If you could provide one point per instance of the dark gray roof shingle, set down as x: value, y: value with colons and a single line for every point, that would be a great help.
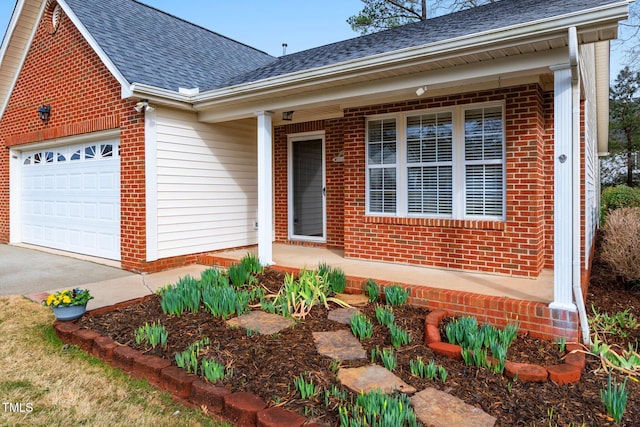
x: 152, y: 47
x: 502, y: 14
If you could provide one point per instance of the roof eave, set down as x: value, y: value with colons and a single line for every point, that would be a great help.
x: 551, y: 27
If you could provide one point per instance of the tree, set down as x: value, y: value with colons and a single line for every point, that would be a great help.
x: 380, y: 15
x: 624, y: 129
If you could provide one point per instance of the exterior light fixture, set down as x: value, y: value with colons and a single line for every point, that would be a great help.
x: 287, y: 116
x: 44, y: 112
x: 421, y: 90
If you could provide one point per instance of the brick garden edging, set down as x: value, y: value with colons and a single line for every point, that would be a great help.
x: 568, y: 372
x: 241, y: 408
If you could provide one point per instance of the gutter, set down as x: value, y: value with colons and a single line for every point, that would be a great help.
x: 575, y: 184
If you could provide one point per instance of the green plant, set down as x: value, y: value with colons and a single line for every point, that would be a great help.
x: 387, y: 356
x: 443, y: 373
x: 378, y: 409
x: 188, y: 359
x: 67, y: 298
x: 384, y: 315
x: 213, y: 277
x: 154, y: 334
x: 212, y: 371
x: 251, y: 264
x: 396, y: 295
x: 614, y: 399
x: 361, y: 326
x: 499, y: 352
x: 296, y: 298
x: 238, y: 275
x: 617, y: 324
x: 306, y: 389
x: 225, y: 301
x: 372, y: 289
x: 184, y: 295
x: 562, y: 344
x: 618, y: 197
x: 399, y: 336
x: 337, y: 280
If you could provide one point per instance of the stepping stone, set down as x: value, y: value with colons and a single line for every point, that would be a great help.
x: 342, y: 315
x: 439, y: 409
x: 340, y: 345
x: 356, y: 300
x: 261, y: 322
x: 367, y: 378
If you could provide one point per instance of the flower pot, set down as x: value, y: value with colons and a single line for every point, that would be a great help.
x: 71, y: 312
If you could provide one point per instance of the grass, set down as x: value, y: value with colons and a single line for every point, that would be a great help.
x: 64, y: 386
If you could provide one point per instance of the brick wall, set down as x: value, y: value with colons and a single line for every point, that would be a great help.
x: 522, y: 245
x: 63, y: 71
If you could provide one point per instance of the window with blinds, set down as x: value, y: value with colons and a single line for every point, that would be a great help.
x: 430, y: 164
x: 381, y: 149
x: 483, y: 158
x: 442, y: 164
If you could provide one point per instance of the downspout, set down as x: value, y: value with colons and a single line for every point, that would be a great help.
x: 575, y: 193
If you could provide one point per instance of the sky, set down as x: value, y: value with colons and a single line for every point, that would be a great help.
x: 267, y: 24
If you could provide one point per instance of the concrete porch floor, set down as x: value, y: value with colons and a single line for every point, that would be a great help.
x: 298, y: 257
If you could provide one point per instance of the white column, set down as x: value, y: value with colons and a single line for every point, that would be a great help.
x: 563, y: 196
x: 265, y: 188
x: 15, y: 196
x: 151, y: 182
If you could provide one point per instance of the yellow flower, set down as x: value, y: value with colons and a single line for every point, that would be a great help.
x: 66, y: 300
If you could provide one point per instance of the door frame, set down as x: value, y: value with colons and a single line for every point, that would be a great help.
x: 292, y: 139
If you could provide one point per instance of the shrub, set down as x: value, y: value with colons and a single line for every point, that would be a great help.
x: 619, y: 197
x: 621, y: 245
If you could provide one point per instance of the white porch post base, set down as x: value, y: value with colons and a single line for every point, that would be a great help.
x: 265, y: 188
x: 562, y: 197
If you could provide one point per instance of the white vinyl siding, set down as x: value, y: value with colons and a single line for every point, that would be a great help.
x: 448, y: 163
x: 206, y: 184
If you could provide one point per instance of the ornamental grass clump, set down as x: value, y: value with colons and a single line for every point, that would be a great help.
x: 614, y: 399
x: 361, y: 326
x: 621, y: 243
x: 396, y: 295
x: 376, y: 408
x: 153, y: 334
x: 68, y: 298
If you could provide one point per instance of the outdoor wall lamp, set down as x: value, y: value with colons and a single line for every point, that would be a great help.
x: 44, y: 112
x: 143, y: 105
x: 287, y: 116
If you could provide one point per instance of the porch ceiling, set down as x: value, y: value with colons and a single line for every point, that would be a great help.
x: 299, y: 257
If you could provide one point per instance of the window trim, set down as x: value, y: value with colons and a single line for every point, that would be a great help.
x: 458, y: 163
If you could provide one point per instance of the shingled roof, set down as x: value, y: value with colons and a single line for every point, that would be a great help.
x: 155, y: 48
x: 151, y: 47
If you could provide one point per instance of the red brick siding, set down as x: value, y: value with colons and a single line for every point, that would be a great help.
x: 63, y: 71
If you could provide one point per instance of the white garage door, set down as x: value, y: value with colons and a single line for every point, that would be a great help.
x: 71, y: 198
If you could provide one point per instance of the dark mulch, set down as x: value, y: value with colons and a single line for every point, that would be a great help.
x: 267, y: 365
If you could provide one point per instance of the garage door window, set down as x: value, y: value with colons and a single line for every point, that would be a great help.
x: 87, y: 153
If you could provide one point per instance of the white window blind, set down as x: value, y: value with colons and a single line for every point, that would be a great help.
x: 381, y: 148
x: 429, y: 164
x: 484, y: 162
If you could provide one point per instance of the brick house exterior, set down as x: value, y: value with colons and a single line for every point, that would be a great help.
x: 204, y: 159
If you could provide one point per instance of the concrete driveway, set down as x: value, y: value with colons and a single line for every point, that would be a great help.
x: 26, y: 271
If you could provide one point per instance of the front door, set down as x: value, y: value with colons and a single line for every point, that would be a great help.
x: 307, y: 188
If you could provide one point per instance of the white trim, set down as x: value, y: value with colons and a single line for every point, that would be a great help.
x: 124, y: 84
x: 291, y: 139
x: 265, y: 187
x: 151, y: 182
x: 15, y: 196
x: 70, y: 140
x: 563, y: 189
x: 458, y: 162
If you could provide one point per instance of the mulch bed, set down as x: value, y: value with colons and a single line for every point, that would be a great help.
x: 267, y: 365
